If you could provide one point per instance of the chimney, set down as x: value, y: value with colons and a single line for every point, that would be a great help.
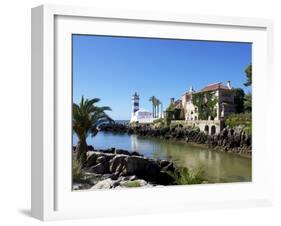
x: 228, y: 84
x: 191, y: 90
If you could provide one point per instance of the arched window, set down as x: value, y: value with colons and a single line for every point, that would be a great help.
x: 206, y: 129
x: 213, y: 130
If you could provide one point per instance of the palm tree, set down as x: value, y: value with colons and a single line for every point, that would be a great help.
x: 161, y: 111
x: 153, y: 101
x: 85, y: 121
x: 157, y: 103
x: 248, y: 72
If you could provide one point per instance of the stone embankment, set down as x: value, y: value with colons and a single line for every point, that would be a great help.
x: 229, y: 140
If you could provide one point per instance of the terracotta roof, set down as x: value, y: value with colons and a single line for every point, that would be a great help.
x: 214, y: 86
x: 178, y: 103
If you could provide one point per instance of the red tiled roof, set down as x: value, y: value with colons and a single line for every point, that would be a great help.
x: 214, y: 86
x: 178, y: 103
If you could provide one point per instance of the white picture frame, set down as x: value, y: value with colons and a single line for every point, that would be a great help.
x: 52, y: 197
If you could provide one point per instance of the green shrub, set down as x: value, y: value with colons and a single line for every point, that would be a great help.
x: 159, y: 122
x: 78, y: 174
x: 184, y: 176
x: 243, y: 120
x: 131, y: 184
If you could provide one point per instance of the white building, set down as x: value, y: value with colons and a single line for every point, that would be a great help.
x: 140, y: 115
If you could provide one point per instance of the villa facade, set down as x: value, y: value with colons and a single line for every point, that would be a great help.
x: 224, y: 106
x: 224, y: 95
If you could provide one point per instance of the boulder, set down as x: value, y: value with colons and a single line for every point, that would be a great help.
x: 164, y: 163
x: 116, y: 164
x: 165, y: 178
x: 91, y: 159
x: 135, y: 165
x: 101, y: 159
x: 104, y: 184
x: 94, y: 157
x: 90, y: 148
x: 122, y: 152
x: 136, y: 153
x: 170, y: 167
x: 100, y: 168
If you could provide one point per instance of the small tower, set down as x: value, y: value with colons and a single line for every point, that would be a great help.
x: 228, y: 84
x: 135, y: 103
x: 191, y: 90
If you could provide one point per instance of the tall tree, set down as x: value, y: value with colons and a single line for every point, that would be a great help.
x: 161, y: 111
x: 248, y: 102
x: 85, y: 121
x: 248, y: 97
x: 248, y: 72
x: 239, y: 95
x: 157, y: 103
x: 153, y: 101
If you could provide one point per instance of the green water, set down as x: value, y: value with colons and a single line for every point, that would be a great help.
x: 218, y: 166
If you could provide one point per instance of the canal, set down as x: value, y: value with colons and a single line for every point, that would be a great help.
x: 218, y: 166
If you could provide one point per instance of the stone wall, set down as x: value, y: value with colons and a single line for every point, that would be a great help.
x: 228, y: 140
x: 207, y: 126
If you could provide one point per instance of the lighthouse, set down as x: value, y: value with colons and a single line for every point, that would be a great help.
x: 139, y: 115
x: 135, y: 106
x: 135, y: 103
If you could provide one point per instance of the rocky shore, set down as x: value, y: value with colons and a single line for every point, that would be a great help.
x: 235, y: 141
x: 115, y: 168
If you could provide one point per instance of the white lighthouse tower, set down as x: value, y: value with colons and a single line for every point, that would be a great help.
x: 135, y: 103
x: 139, y: 115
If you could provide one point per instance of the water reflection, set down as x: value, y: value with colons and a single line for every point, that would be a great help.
x: 218, y: 166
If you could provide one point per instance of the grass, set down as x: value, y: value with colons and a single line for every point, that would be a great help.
x: 77, y: 172
x: 130, y: 184
x: 188, y: 176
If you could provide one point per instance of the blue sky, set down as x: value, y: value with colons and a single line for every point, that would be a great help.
x: 113, y: 68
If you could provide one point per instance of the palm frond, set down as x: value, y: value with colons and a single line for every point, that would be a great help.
x: 86, y: 117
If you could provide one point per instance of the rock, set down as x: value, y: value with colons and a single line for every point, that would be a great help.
x: 122, y: 152
x: 135, y: 165
x: 136, y: 153
x: 97, y: 157
x: 101, y: 159
x: 164, y: 178
x: 116, y: 164
x: 170, y: 167
x: 91, y: 159
x: 90, y: 148
x: 164, y: 163
x: 104, y: 184
x: 135, y: 183
x: 113, y: 176
x: 100, y: 168
x: 134, y: 177
x: 152, y: 169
